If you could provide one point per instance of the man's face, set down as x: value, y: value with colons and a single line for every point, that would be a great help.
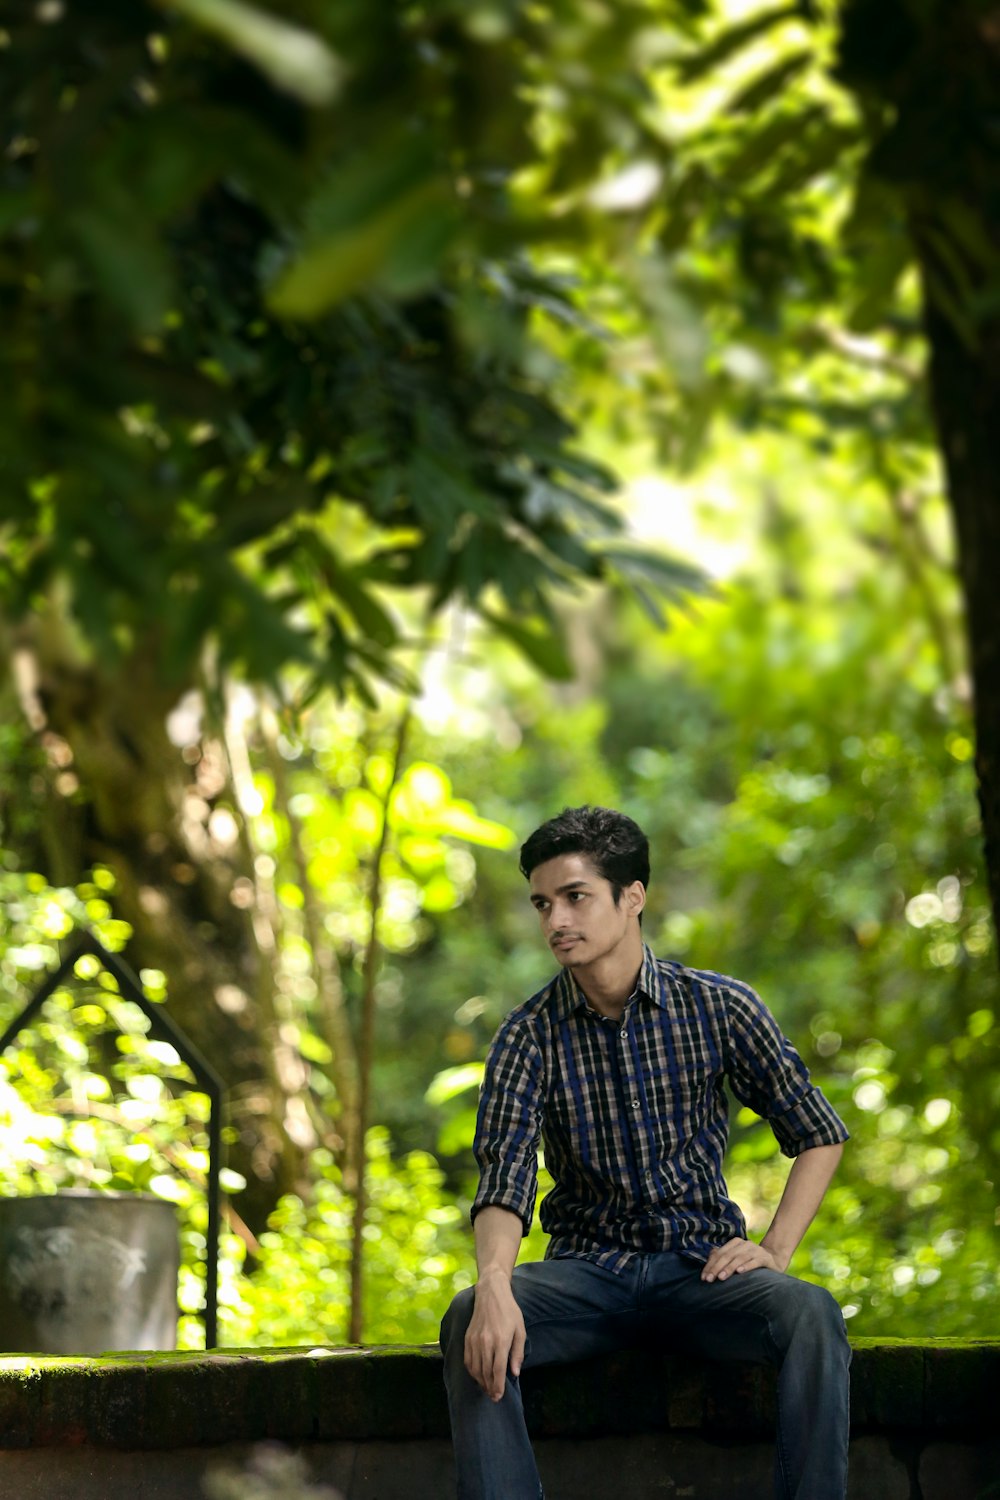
x: 577, y: 911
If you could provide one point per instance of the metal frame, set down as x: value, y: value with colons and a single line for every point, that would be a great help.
x: 205, y: 1075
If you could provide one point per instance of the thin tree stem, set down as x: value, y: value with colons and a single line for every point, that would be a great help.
x: 331, y: 1013
x: 366, y: 1041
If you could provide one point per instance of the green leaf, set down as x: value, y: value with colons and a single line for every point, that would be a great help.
x: 451, y: 1082
x: 669, y: 577
x: 456, y: 1134
x: 346, y: 583
x: 344, y: 263
x: 544, y: 647
x: 676, y: 323
x: 562, y: 544
x: 442, y: 489
x: 769, y: 84
x: 698, y: 64
x: 548, y: 501
x: 294, y: 59
x: 684, y: 199
x: 760, y: 147
x: 823, y: 148
x: 460, y: 821
x: 129, y: 266
x: 245, y: 517
x: 16, y: 208
x: 383, y: 218
x: 878, y: 274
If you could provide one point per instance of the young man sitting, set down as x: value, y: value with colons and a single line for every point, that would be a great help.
x: 618, y: 1065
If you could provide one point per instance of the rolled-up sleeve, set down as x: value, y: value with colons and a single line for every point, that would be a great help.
x: 767, y: 1073
x: 508, y: 1126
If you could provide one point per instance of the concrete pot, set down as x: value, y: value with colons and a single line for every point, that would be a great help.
x: 85, y: 1272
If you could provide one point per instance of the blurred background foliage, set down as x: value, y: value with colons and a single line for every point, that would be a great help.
x: 377, y: 392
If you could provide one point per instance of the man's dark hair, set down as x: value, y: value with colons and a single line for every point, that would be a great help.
x: 618, y: 847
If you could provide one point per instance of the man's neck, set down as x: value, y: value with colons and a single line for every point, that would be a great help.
x: 610, y: 983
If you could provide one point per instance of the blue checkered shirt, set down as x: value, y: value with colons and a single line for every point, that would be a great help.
x: 633, y: 1113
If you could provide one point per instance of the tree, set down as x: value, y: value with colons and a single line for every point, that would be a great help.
x: 928, y: 78
x: 292, y: 376
x: 802, y: 231
x: 908, y: 278
x: 807, y: 783
x: 255, y: 408
x: 808, y: 787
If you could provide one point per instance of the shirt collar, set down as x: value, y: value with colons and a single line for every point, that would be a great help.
x: 569, y: 997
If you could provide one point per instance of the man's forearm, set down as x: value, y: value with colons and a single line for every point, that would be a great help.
x: 498, y: 1234
x: 495, y: 1338
x: 807, y: 1183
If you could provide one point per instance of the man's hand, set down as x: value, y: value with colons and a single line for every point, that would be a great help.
x: 495, y: 1335
x: 807, y: 1182
x: 737, y: 1256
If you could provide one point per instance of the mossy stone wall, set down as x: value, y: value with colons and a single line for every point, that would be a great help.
x: 374, y: 1422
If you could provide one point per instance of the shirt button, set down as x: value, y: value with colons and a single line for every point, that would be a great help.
x: 635, y: 1104
x: 623, y: 1033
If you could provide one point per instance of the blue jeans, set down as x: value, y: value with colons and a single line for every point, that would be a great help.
x: 573, y: 1309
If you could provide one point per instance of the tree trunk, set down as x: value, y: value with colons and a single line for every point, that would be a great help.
x: 965, y: 385
x: 928, y: 78
x: 118, y: 792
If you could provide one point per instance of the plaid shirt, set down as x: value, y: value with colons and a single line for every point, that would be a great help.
x: 633, y: 1114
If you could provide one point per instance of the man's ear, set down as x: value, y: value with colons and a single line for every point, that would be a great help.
x: 635, y: 896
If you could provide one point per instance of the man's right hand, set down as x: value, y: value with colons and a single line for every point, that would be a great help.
x: 495, y: 1336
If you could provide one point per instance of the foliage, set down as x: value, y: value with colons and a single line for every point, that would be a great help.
x: 333, y: 781
x: 168, y: 220
x: 277, y: 401
x: 418, y: 1253
x: 850, y: 880
x: 301, y: 359
x: 805, y: 777
x: 312, y: 809
x: 87, y: 1098
x: 804, y: 774
x: 65, y: 1125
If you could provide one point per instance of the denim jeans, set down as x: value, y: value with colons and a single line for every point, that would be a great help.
x: 573, y: 1309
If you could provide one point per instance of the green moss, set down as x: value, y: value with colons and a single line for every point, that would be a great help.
x: 928, y: 1343
x: 191, y: 1398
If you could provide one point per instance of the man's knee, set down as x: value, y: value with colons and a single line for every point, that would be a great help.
x: 824, y: 1309
x: 456, y: 1320
x: 806, y: 1304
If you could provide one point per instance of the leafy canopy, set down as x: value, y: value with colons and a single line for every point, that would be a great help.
x: 271, y: 364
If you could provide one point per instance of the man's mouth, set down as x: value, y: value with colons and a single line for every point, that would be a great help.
x: 564, y: 941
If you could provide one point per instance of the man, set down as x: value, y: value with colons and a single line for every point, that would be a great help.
x: 618, y: 1064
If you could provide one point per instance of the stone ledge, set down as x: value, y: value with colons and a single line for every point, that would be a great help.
x: 935, y: 1388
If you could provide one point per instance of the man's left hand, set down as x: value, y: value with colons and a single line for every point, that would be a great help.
x: 737, y: 1256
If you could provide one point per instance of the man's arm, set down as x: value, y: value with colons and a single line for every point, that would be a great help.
x: 807, y: 1183
x: 496, y: 1333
